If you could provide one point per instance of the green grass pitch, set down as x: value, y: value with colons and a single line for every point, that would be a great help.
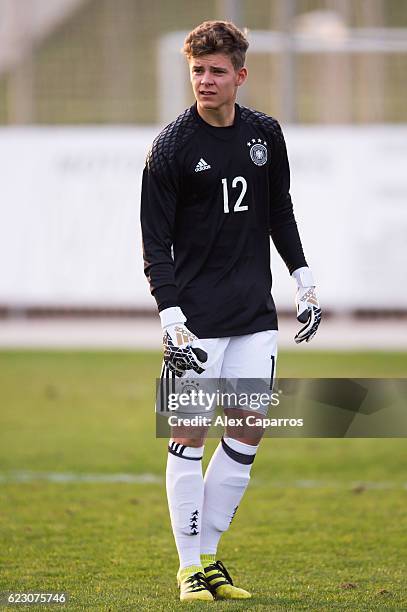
x: 305, y: 537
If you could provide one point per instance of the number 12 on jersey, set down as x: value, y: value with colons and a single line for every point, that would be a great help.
x: 237, y: 207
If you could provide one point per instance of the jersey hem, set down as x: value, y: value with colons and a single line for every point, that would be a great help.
x: 203, y: 333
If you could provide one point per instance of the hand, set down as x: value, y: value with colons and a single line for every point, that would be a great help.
x: 308, y: 310
x: 181, y: 347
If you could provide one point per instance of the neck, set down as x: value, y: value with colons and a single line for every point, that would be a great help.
x: 219, y: 117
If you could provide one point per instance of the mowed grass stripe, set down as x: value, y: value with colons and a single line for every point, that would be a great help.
x: 67, y: 477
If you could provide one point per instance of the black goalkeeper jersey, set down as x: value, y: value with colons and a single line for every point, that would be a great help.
x: 211, y: 198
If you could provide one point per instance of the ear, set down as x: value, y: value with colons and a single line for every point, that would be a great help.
x: 241, y: 76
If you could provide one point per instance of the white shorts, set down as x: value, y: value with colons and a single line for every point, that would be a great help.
x: 249, y: 356
x: 247, y: 363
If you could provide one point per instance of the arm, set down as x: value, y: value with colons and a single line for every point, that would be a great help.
x: 283, y: 227
x: 159, y: 196
x: 284, y: 233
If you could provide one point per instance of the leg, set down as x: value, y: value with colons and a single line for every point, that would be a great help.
x: 185, y: 489
x: 228, y: 473
x: 226, y: 480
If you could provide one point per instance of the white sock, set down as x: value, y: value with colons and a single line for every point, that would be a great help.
x: 226, y: 480
x: 185, y: 490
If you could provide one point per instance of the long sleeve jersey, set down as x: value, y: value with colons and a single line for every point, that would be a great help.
x: 211, y: 198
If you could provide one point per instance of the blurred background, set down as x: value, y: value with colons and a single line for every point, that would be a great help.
x: 85, y: 86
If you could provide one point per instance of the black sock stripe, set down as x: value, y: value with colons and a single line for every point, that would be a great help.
x: 173, y: 452
x: 236, y: 456
x: 181, y: 450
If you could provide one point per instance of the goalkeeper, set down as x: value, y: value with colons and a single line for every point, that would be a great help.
x: 215, y: 188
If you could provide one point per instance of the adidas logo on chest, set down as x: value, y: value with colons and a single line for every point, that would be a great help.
x: 202, y: 165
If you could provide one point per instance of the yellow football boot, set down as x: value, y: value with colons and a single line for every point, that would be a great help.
x: 219, y: 581
x: 192, y: 584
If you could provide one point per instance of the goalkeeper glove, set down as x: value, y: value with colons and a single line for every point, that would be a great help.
x: 182, y: 350
x: 308, y: 310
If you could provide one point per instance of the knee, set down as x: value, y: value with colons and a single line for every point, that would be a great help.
x: 254, y: 440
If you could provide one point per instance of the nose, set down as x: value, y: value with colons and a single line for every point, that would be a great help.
x: 206, y: 78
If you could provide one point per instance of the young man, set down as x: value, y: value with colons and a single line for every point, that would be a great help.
x: 215, y: 188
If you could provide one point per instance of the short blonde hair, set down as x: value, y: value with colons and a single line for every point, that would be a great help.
x: 217, y: 37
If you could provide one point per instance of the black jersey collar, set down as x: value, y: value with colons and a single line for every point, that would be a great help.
x: 224, y: 133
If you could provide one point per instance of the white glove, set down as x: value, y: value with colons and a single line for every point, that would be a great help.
x: 308, y: 310
x: 182, y: 350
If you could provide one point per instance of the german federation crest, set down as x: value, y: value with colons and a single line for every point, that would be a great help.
x: 258, y: 151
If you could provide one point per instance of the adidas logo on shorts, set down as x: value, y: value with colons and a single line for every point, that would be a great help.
x: 202, y: 165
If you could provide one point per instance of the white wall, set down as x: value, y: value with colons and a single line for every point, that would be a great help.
x: 69, y: 215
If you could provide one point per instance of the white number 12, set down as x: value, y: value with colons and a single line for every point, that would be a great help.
x: 237, y: 207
